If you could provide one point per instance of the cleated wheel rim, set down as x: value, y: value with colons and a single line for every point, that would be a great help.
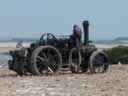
x: 45, y: 60
x: 99, y: 62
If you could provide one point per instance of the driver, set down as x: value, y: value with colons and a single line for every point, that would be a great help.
x: 76, y: 36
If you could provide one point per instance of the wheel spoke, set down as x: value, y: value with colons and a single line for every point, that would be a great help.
x: 42, y: 59
x: 50, y: 70
x: 47, y: 64
x: 52, y: 57
x: 40, y: 67
x: 44, y: 55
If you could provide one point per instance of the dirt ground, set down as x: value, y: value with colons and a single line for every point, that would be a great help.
x: 112, y: 83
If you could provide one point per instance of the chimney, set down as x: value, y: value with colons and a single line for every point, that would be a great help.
x: 86, y: 32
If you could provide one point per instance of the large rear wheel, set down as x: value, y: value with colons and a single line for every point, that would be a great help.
x: 45, y: 60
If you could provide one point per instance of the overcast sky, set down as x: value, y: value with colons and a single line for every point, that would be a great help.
x: 30, y: 18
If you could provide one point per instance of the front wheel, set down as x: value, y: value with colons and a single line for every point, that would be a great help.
x: 98, y: 62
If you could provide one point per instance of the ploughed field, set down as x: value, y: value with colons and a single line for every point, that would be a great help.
x: 112, y: 83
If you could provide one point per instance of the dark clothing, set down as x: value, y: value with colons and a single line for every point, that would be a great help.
x: 76, y: 36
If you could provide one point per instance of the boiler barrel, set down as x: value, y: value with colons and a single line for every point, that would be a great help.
x: 86, y: 32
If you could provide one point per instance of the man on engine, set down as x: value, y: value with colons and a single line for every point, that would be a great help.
x: 76, y: 36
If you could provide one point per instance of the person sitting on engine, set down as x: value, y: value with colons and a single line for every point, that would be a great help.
x: 76, y: 36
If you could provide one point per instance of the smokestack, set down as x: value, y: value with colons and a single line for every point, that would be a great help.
x: 86, y: 32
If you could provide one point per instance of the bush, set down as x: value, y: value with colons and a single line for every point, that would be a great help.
x: 118, y: 54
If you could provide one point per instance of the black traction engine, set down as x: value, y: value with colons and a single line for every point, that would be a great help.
x: 54, y: 54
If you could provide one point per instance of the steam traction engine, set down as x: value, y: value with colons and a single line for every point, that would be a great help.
x: 52, y: 54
